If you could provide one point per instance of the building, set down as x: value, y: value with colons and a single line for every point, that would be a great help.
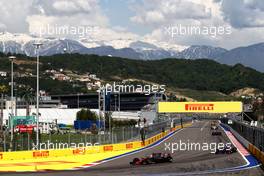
x: 61, y: 77
x: 128, y: 101
x: 84, y: 79
x: 63, y: 108
x: 66, y: 116
x: 93, y: 76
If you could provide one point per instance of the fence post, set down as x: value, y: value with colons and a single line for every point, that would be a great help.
x: 4, y: 141
x: 28, y: 141
x: 123, y: 129
x: 69, y: 139
x: 254, y: 142
x: 90, y: 137
x: 99, y: 137
x: 22, y: 142
x: 111, y: 134
x: 132, y: 136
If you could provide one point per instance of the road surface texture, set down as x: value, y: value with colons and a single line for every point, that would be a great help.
x: 191, y: 162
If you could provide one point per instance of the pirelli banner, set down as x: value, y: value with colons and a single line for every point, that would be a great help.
x: 200, y: 107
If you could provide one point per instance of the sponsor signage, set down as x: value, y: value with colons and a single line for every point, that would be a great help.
x: 24, y: 128
x: 200, y: 107
x: 129, y: 146
x: 108, y: 148
x: 78, y: 151
x: 40, y: 154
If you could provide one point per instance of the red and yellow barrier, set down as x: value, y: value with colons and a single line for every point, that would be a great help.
x: 256, y: 152
x: 70, y: 158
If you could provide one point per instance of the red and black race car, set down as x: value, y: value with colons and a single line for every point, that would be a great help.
x: 216, y: 133
x: 226, y: 150
x: 152, y: 159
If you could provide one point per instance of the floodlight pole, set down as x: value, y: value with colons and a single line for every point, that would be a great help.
x: 37, y: 46
x: 12, y: 99
x: 104, y: 106
x: 99, y: 108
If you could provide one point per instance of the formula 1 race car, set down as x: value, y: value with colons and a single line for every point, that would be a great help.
x: 226, y: 150
x: 152, y: 159
x: 214, y: 125
x: 216, y: 133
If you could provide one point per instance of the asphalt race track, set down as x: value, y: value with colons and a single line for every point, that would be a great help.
x: 192, y: 162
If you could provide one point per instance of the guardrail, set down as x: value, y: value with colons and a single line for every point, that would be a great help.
x: 251, y: 137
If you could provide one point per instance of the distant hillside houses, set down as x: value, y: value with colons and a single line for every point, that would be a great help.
x: 91, y: 80
x: 61, y: 77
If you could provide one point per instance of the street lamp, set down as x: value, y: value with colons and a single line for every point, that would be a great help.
x: 12, y: 98
x: 37, y: 46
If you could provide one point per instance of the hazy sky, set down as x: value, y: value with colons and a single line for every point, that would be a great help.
x: 142, y: 19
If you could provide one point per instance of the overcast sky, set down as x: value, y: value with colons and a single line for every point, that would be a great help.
x: 142, y: 19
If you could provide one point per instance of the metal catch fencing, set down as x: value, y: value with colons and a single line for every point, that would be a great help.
x: 26, y: 141
x: 253, y: 134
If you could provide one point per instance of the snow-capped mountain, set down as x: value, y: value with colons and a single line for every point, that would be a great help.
x: 23, y: 44
x: 128, y: 48
x: 151, y: 51
x: 201, y: 52
x: 110, y: 51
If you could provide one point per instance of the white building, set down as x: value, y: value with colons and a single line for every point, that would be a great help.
x: 65, y: 116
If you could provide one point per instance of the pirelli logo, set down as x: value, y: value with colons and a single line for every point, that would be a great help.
x: 79, y: 151
x: 40, y: 154
x: 129, y: 146
x: 199, y: 107
x: 108, y: 148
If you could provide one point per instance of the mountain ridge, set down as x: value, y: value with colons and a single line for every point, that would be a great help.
x: 23, y: 44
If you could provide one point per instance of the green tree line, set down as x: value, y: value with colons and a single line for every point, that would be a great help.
x: 200, y: 74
